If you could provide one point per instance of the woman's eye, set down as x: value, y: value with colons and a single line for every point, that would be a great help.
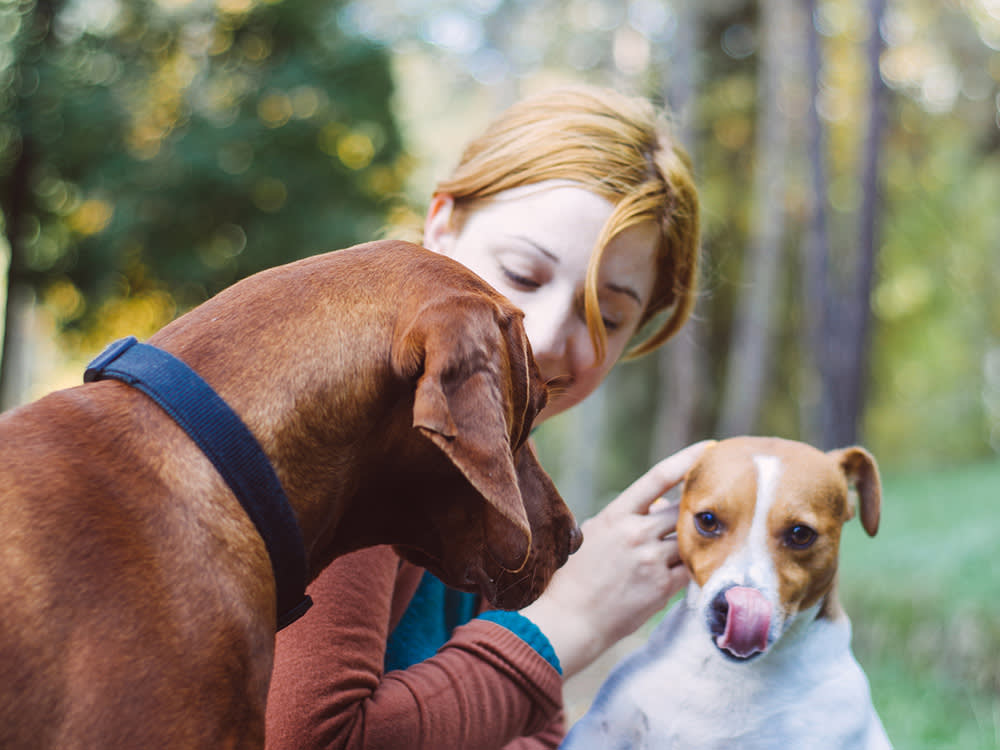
x: 708, y: 524
x: 519, y: 280
x: 800, y: 536
x: 611, y: 325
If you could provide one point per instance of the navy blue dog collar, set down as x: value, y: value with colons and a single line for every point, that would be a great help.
x: 229, y: 445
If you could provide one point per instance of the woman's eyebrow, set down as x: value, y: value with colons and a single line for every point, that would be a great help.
x: 549, y: 254
x: 626, y: 290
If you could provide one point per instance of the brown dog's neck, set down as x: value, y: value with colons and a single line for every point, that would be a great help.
x: 227, y: 442
x: 307, y: 443
x: 319, y: 393
x: 337, y: 417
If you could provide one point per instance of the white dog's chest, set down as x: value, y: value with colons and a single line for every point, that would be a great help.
x: 680, y: 692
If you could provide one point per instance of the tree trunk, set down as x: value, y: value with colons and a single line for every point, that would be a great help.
x: 579, y: 470
x: 18, y: 296
x: 816, y: 260
x: 754, y: 320
x: 839, y: 314
x: 16, y: 203
x: 679, y: 363
x: 859, y: 299
x: 17, y: 346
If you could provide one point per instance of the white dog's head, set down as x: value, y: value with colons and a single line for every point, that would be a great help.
x: 759, y: 530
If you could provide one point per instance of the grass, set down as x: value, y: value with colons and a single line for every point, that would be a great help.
x: 925, y: 603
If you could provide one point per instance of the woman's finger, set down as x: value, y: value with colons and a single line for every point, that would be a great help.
x: 673, y: 552
x: 662, y: 520
x: 645, y: 490
x: 638, y: 530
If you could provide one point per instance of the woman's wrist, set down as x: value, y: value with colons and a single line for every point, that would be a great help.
x: 570, y: 633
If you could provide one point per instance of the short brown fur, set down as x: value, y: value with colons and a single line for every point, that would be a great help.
x: 392, y: 390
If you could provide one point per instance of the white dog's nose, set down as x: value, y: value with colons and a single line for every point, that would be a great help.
x: 741, y: 620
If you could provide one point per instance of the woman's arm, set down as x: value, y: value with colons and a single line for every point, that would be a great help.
x: 484, y: 688
x: 548, y: 739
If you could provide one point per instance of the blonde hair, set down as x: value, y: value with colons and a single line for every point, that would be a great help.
x: 620, y: 148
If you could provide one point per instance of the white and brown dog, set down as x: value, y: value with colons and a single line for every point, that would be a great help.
x: 758, y: 653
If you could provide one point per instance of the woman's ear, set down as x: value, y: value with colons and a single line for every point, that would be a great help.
x: 439, y: 234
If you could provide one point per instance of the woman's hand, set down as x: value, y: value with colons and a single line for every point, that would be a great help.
x: 626, y: 570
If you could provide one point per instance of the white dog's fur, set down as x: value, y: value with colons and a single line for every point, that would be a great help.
x: 803, y: 689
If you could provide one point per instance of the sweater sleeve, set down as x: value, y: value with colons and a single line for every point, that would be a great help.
x: 548, y: 739
x: 483, y: 689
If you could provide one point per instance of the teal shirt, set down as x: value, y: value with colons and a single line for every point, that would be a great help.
x: 434, y: 613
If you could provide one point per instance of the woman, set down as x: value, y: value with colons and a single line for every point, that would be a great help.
x: 578, y: 206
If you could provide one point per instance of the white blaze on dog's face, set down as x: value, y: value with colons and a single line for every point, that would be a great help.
x: 759, y: 530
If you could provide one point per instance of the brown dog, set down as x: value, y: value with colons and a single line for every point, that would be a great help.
x: 138, y: 602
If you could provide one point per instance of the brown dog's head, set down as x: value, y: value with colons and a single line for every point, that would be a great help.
x: 759, y: 530
x: 498, y: 525
x: 398, y: 411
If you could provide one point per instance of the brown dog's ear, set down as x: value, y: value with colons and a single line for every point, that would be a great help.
x: 461, y: 406
x: 861, y: 470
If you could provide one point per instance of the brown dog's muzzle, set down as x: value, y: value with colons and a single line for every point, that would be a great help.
x: 478, y: 392
x: 555, y: 536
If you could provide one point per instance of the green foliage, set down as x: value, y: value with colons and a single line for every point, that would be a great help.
x: 176, y: 146
x: 939, y: 319
x: 185, y: 148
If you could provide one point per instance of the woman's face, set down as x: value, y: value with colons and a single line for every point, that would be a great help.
x: 533, y: 244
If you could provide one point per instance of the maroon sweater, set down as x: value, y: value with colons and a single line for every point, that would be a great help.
x: 483, y: 690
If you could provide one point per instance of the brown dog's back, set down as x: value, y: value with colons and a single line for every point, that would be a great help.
x: 108, y: 600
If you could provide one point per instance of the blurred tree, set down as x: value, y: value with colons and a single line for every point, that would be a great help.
x: 679, y: 365
x: 932, y: 390
x: 753, y: 330
x: 159, y: 151
x: 838, y: 301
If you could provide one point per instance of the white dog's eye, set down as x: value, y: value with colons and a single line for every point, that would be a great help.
x: 800, y: 536
x: 708, y: 524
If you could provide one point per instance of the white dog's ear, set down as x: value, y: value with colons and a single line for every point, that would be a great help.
x: 861, y: 471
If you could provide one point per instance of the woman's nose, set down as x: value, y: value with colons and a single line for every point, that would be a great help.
x: 560, y: 343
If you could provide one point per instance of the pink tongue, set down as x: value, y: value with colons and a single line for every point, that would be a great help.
x: 747, y: 622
